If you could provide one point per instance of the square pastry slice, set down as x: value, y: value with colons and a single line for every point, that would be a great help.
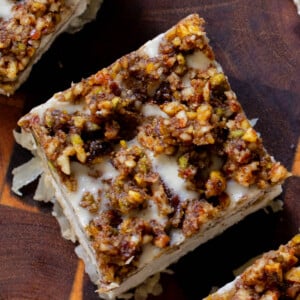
x: 151, y: 157
x: 275, y: 275
x: 29, y: 27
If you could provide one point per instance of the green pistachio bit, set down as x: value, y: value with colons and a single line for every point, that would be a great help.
x: 98, y: 90
x: 219, y: 84
x: 51, y: 165
x: 220, y: 111
x: 48, y: 121
x: 236, y: 133
x: 76, y: 140
x: 78, y: 121
x: 183, y: 162
x: 92, y: 126
x: 143, y: 165
x: 115, y: 101
x: 21, y: 46
x: 218, y: 79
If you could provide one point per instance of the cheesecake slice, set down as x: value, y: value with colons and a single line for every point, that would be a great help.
x: 275, y: 275
x: 28, y: 28
x: 149, y: 158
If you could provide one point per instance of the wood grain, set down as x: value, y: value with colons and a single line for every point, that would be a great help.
x: 259, y: 49
x: 11, y: 111
x: 296, y: 164
x: 76, y: 292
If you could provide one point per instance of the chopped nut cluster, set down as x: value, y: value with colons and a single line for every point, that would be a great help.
x: 135, y: 184
x: 21, y: 36
x: 200, y: 123
x: 276, y: 275
x: 88, y: 201
x: 118, y: 242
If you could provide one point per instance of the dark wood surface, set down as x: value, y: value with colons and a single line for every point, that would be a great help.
x: 258, y: 45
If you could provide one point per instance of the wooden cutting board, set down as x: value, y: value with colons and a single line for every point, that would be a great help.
x: 258, y: 45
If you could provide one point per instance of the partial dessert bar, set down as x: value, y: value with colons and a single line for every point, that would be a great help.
x: 297, y: 3
x: 28, y: 28
x: 151, y: 157
x: 275, y: 275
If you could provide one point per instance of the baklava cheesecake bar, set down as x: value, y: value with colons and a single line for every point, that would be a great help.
x: 275, y: 275
x: 29, y: 27
x: 151, y: 157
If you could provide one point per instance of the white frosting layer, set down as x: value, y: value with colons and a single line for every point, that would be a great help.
x: 152, y: 213
x: 226, y: 288
x: 6, y: 9
x: 151, y: 48
x: 92, y: 185
x: 198, y: 60
x: 153, y: 110
x: 236, y: 191
x: 167, y: 167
